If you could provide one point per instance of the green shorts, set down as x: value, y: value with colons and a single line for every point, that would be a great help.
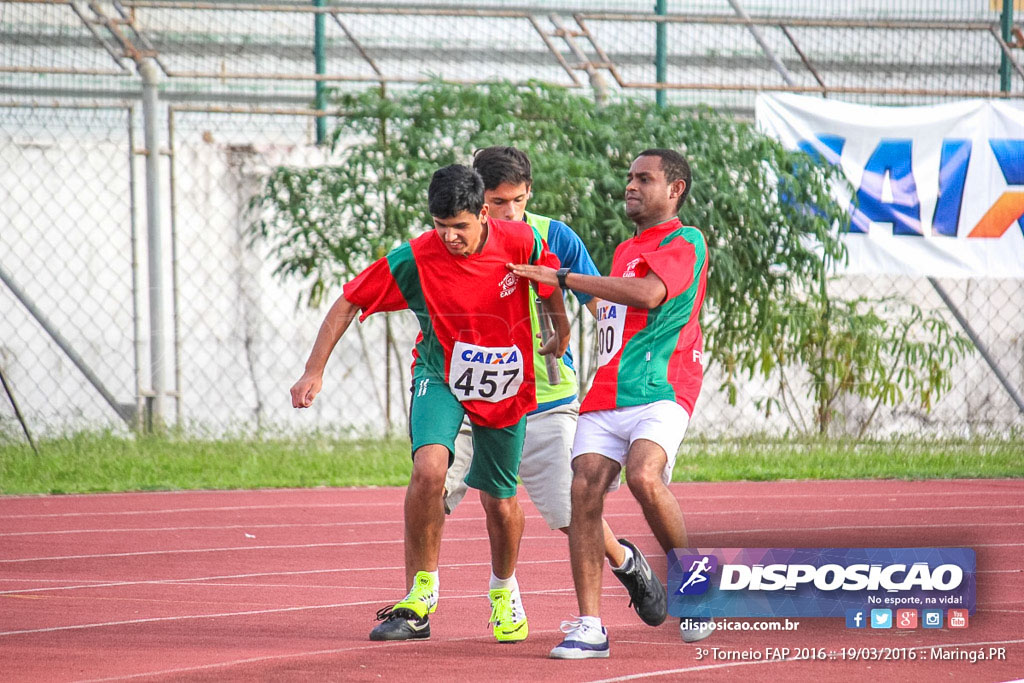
x: 435, y: 417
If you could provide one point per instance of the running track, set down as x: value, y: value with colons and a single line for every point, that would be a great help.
x: 283, y: 585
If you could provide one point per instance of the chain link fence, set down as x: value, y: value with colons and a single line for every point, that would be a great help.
x: 244, y: 335
x: 68, y: 341
x: 75, y: 332
x: 983, y: 400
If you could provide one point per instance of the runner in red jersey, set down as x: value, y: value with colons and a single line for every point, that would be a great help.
x: 634, y: 416
x: 480, y: 330
x: 647, y: 355
x: 475, y: 357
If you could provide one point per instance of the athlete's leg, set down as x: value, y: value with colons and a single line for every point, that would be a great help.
x: 547, y: 474
x: 434, y: 419
x: 645, y: 467
x: 505, y: 522
x: 592, y: 474
x: 433, y: 422
x: 545, y: 469
x: 424, y: 510
x: 496, y: 457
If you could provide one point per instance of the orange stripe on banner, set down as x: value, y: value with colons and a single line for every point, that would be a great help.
x: 998, y: 219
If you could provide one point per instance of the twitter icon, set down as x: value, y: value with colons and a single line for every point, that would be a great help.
x: 881, y: 618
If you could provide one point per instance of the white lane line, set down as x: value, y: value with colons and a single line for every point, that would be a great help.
x: 348, y: 544
x: 184, y: 617
x: 726, y: 665
x: 894, y: 495
x: 218, y: 508
x: 332, y: 490
x: 319, y: 653
x: 250, y: 527
x: 889, y: 527
x: 304, y: 572
x: 297, y: 655
x: 205, y: 492
x: 96, y: 583
x: 693, y: 513
x: 225, y: 527
x: 241, y: 548
x: 271, y: 610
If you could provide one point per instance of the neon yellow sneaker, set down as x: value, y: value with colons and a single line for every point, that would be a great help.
x: 507, y: 616
x: 422, y: 598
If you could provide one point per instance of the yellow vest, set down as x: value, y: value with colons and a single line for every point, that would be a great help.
x: 546, y: 393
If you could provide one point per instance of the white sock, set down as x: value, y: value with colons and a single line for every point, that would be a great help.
x: 509, y: 583
x: 627, y: 563
x: 591, y: 622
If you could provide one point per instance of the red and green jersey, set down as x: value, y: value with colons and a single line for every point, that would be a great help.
x: 653, y: 355
x: 474, y: 315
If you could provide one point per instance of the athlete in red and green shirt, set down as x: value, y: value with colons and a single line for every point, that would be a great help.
x: 474, y: 356
x: 474, y: 336
x: 640, y: 402
x: 653, y: 354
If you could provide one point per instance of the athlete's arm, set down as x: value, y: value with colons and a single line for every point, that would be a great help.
x: 334, y: 325
x: 559, y: 341
x: 572, y: 253
x: 639, y: 292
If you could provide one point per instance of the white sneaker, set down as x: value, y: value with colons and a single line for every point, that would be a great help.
x: 582, y: 641
x: 693, y: 629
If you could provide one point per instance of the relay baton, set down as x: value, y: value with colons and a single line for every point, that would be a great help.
x: 554, y: 376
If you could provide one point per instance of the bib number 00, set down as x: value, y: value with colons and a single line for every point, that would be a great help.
x: 485, y: 373
x: 611, y: 322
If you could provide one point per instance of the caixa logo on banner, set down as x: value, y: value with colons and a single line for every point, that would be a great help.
x: 892, y: 160
x: 817, y: 582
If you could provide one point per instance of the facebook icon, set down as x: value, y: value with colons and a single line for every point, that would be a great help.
x: 855, y: 618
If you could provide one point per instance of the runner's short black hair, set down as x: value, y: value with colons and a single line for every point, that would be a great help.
x: 455, y: 189
x: 675, y: 167
x: 500, y: 164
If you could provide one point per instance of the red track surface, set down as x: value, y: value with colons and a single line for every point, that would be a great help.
x: 283, y: 585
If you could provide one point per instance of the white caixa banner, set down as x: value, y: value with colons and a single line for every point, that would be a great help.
x: 939, y: 189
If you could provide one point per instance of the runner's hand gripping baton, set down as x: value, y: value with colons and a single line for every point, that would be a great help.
x: 554, y: 376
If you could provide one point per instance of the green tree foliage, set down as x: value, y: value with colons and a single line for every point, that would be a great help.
x: 884, y: 350
x: 768, y: 213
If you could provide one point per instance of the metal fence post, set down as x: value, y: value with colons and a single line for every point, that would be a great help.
x: 320, y: 62
x: 1006, y: 24
x: 150, y: 116
x: 660, y: 51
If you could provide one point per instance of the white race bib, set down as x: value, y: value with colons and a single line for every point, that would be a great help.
x: 611, y: 321
x: 485, y: 373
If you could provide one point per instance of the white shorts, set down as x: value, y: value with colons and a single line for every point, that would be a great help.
x: 544, y: 469
x: 611, y: 432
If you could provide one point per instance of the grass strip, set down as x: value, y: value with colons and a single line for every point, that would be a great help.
x: 91, y: 462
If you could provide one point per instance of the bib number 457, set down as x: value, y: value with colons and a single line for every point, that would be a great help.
x: 485, y: 373
x: 485, y: 386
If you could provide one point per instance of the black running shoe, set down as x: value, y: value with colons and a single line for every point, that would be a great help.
x: 646, y: 594
x: 400, y: 624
